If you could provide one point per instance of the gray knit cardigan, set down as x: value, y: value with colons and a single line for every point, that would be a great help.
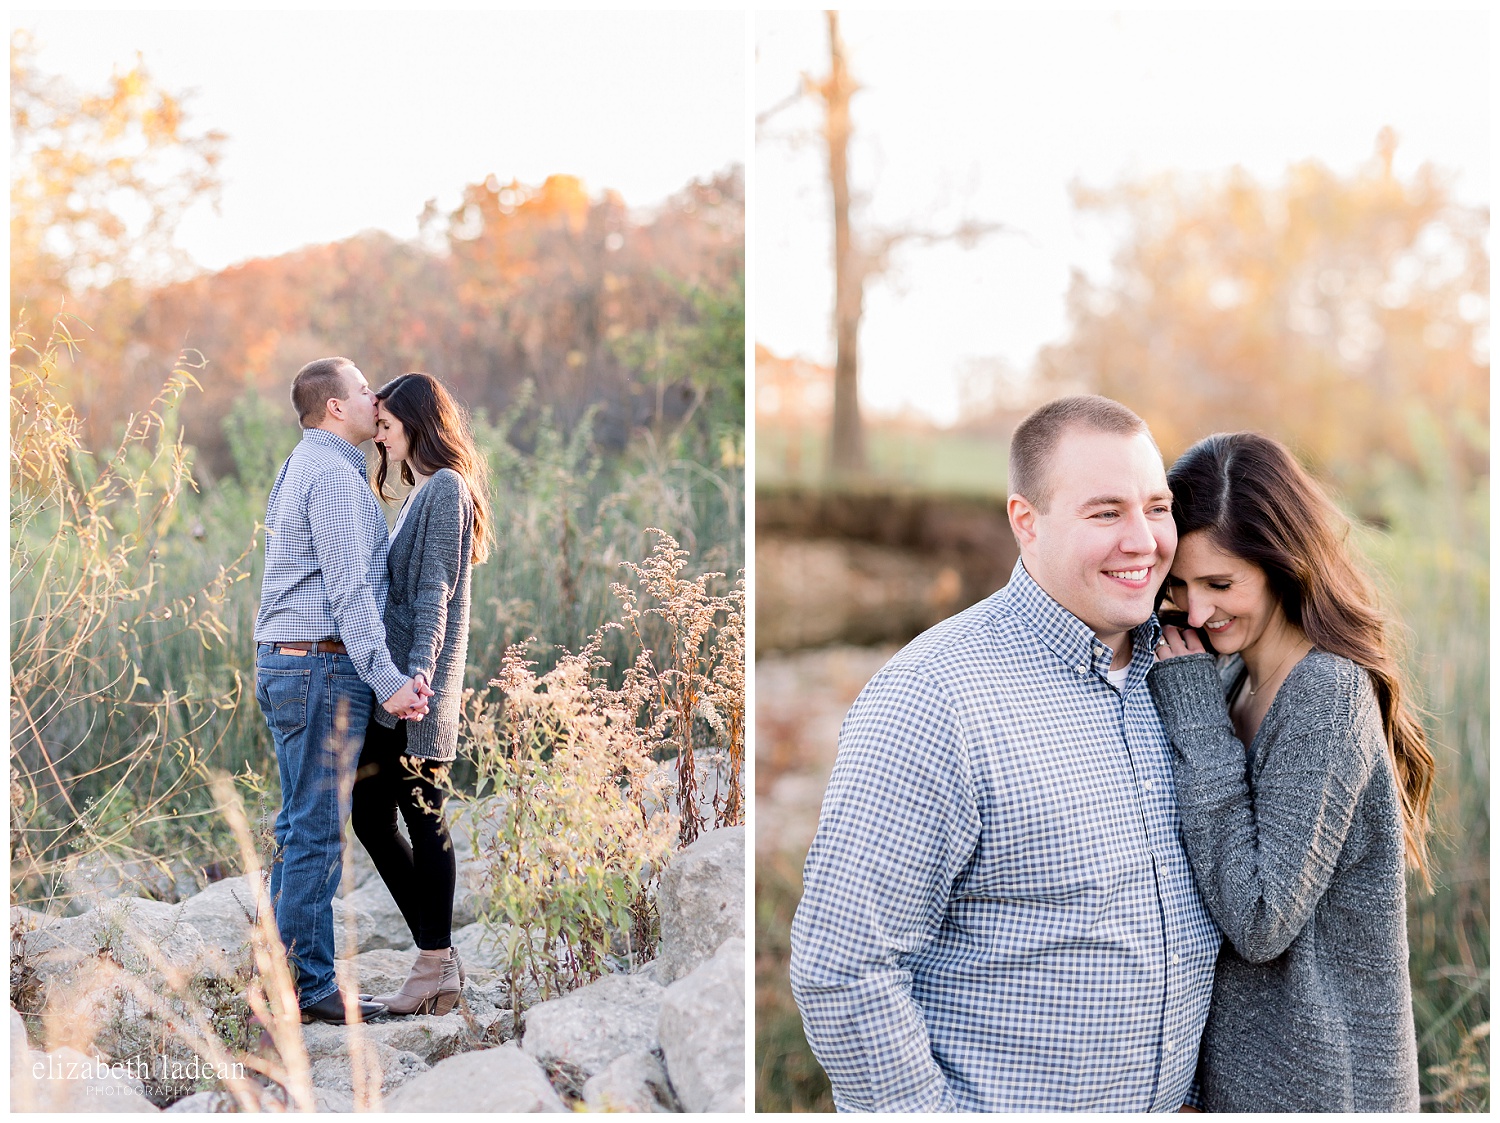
x: 1297, y: 848
x: 427, y: 608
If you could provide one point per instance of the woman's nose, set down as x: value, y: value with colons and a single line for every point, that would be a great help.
x: 1200, y: 610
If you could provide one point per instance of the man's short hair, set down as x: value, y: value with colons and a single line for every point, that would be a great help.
x: 1035, y: 439
x: 315, y: 383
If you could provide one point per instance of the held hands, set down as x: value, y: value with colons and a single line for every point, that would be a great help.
x: 410, y: 702
x: 1176, y: 642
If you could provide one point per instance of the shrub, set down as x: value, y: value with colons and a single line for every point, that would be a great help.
x: 572, y: 817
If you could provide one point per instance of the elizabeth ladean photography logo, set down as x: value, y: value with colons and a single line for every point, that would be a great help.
x: 157, y: 1068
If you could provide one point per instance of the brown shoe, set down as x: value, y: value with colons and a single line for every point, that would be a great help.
x: 431, y: 988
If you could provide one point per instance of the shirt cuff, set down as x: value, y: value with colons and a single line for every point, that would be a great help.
x: 387, y: 683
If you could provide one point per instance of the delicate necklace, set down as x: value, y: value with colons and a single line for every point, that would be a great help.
x: 1251, y: 682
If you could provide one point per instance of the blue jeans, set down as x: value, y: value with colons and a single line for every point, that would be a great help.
x: 317, y: 707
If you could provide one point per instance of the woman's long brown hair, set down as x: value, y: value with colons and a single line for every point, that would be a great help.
x: 437, y: 436
x: 1255, y: 501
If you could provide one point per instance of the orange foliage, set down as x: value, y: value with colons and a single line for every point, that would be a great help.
x: 1328, y: 311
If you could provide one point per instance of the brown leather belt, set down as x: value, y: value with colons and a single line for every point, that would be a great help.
x: 293, y: 647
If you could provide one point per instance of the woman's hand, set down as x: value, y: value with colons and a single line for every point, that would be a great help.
x: 1176, y: 642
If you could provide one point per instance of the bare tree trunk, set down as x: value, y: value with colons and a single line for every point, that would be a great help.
x: 847, y: 451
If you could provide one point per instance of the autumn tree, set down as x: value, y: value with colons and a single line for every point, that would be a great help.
x: 518, y: 284
x: 99, y: 182
x: 1346, y: 315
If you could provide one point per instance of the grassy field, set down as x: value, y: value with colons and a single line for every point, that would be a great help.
x: 1432, y: 561
x: 134, y: 595
x: 921, y: 459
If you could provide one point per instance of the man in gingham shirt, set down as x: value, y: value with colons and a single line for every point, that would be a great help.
x: 998, y: 914
x: 320, y: 651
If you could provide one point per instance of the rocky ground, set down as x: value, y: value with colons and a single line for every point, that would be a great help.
x: 117, y: 984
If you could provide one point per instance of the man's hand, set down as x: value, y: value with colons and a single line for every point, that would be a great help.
x: 1176, y: 642
x: 410, y: 702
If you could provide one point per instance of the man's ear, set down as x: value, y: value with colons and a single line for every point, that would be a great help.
x: 334, y: 407
x: 1022, y: 519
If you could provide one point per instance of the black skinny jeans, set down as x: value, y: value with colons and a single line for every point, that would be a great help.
x: 420, y: 876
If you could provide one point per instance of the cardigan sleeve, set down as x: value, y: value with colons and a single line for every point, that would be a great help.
x: 1263, y: 854
x: 444, y: 517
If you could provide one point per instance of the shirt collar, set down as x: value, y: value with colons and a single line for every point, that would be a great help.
x: 337, y: 443
x: 1068, y: 637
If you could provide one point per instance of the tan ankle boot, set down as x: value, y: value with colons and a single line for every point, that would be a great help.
x: 431, y: 988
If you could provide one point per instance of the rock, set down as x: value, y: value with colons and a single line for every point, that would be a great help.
x: 500, y: 1079
x: 378, y: 922
x: 122, y: 979
x: 702, y: 1029
x: 213, y: 1102
x: 381, y: 971
x: 428, y: 1036
x: 328, y: 1049
x: 220, y: 1101
x: 223, y: 915
x: 467, y: 896
x: 595, y: 1024
x: 329, y: 1100
x: 480, y: 949
x: 359, y: 867
x: 28, y: 919
x: 631, y: 1082
x: 68, y: 1080
x: 489, y: 1005
x: 132, y: 931
x: 96, y: 878
x: 710, y: 776
x: 701, y: 901
x: 731, y: 1102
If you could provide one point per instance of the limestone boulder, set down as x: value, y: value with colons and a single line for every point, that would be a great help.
x: 223, y: 914
x: 702, y: 1029
x: 329, y: 1051
x: 378, y: 921
x: 634, y: 1082
x: 701, y: 901
x: 70, y: 1080
x: 481, y: 949
x: 488, y: 1080
x: 378, y: 972
x: 594, y: 1024
x: 430, y: 1037
x: 731, y: 1102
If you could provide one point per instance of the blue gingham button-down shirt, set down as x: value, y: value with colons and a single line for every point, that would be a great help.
x: 998, y: 914
x: 326, y: 548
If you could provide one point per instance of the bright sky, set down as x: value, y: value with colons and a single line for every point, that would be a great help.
x: 343, y: 121
x: 993, y: 115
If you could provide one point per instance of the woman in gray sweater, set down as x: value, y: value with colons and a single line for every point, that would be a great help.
x: 1303, y: 779
x: 443, y: 529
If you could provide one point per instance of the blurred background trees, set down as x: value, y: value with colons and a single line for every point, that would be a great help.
x: 542, y: 284
x: 1347, y: 315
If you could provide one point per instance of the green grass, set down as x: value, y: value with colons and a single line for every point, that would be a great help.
x: 787, y: 1078
x: 920, y: 459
